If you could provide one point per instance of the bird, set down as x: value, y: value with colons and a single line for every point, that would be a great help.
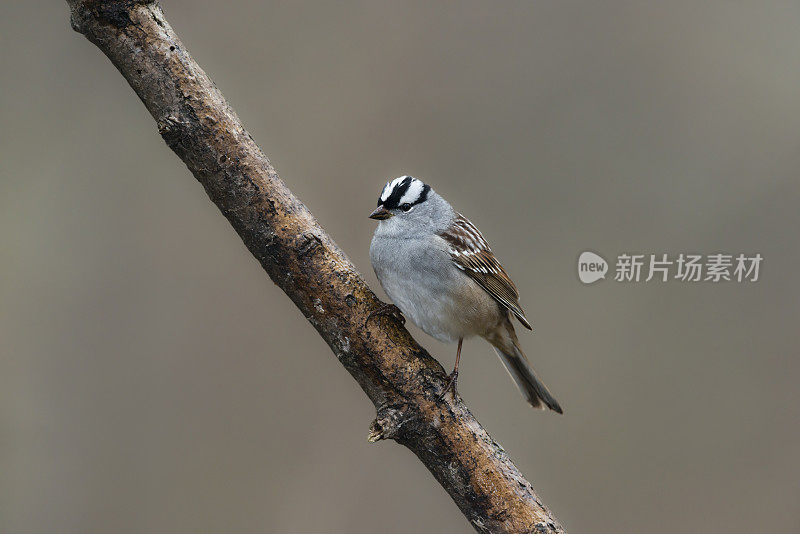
x: 438, y: 270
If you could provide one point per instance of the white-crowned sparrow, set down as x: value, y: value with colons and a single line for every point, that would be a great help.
x: 439, y: 271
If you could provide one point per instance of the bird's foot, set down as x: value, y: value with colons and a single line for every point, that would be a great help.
x: 452, y: 382
x: 387, y: 309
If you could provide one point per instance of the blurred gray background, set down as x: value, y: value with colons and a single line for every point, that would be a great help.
x: 153, y: 379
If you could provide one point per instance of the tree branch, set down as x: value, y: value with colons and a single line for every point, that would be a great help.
x: 399, y: 376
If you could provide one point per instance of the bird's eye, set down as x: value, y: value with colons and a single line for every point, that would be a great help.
x: 405, y: 207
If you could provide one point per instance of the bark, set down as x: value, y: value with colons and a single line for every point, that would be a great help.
x: 399, y: 376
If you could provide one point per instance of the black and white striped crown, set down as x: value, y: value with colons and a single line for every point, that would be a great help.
x: 403, y: 192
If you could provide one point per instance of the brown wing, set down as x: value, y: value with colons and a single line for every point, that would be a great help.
x: 471, y: 253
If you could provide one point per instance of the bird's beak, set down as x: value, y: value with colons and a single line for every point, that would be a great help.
x: 380, y: 214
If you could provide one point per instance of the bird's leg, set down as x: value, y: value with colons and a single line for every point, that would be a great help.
x: 452, y: 379
x: 387, y: 309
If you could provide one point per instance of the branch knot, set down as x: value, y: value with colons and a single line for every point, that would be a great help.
x: 388, y: 423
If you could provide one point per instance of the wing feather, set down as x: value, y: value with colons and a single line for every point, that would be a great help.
x: 471, y: 253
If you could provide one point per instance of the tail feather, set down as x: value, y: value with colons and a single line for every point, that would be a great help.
x: 534, y: 391
x: 505, y: 343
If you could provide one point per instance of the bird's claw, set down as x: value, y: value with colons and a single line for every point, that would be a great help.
x: 452, y: 380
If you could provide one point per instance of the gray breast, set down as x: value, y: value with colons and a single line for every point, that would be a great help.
x: 420, y: 278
